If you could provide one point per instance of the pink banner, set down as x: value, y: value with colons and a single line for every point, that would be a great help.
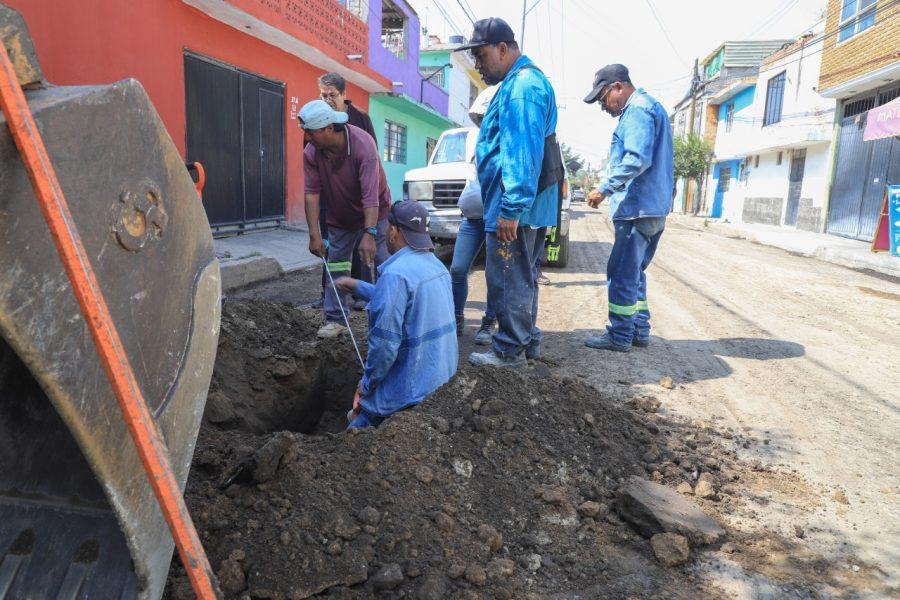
x: 883, y: 121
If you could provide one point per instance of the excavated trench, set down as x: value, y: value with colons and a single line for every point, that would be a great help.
x: 500, y: 485
x: 272, y: 373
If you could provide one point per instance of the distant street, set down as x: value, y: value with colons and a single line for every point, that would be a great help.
x: 797, y: 354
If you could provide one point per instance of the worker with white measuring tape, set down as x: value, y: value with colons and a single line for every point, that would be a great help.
x: 412, y: 329
x: 341, y: 164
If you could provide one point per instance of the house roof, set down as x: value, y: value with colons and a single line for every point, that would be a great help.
x: 745, y: 53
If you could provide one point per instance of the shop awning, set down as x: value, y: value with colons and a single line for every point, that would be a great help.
x: 883, y: 121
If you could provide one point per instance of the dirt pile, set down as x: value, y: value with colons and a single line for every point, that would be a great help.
x: 502, y: 485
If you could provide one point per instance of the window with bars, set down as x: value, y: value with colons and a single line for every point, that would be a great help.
x: 856, y: 17
x: 729, y: 117
x: 774, y: 99
x: 394, y: 142
x: 393, y: 29
x: 438, y: 79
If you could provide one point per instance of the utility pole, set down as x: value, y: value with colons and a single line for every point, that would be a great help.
x: 692, y: 115
x: 522, y: 35
x: 525, y: 10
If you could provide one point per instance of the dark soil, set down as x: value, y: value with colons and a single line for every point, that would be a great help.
x: 479, y: 492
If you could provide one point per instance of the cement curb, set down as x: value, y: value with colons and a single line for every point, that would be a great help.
x: 834, y: 255
x: 246, y: 271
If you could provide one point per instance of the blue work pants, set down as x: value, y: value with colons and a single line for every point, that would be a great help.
x: 635, y: 244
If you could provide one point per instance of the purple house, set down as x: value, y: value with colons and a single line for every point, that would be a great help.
x: 409, y: 119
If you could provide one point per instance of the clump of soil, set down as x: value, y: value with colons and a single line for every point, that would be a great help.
x: 501, y: 485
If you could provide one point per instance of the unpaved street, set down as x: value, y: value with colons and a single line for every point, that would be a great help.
x: 797, y: 355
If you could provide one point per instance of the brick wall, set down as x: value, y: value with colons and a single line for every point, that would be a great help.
x: 865, y: 52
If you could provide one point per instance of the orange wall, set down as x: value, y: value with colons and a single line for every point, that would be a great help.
x: 101, y: 41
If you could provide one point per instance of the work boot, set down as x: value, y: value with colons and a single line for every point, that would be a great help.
x: 360, y: 304
x: 638, y: 342
x: 485, y: 332
x: 604, y: 342
x: 460, y: 324
x: 492, y: 359
x: 330, y: 330
x: 533, y: 351
x: 543, y: 279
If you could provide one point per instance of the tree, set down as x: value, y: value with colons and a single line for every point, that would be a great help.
x: 693, y: 156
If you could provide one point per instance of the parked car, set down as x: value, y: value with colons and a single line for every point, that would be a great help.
x: 439, y: 185
x: 578, y: 195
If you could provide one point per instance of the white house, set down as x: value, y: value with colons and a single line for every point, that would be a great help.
x: 773, y: 149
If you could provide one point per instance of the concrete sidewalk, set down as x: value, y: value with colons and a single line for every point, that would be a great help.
x: 259, y: 256
x: 830, y: 248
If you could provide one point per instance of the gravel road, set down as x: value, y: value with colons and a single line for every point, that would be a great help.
x: 799, y: 355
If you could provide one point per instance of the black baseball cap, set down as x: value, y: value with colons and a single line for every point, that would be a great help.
x: 411, y: 218
x: 489, y: 31
x: 605, y: 76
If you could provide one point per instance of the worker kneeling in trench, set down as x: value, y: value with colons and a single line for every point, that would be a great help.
x: 412, y: 329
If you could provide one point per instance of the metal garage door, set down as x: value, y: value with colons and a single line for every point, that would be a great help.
x: 235, y: 128
x: 862, y: 171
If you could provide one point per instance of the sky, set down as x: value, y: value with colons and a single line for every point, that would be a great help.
x: 571, y: 39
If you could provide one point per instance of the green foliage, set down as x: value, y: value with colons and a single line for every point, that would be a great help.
x: 693, y: 156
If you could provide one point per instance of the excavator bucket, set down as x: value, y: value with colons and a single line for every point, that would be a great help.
x: 78, y: 518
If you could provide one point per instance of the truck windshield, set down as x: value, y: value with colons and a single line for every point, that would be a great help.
x: 452, y: 148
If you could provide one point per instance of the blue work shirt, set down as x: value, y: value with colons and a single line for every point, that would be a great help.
x: 641, y: 171
x: 412, y: 332
x: 511, y: 147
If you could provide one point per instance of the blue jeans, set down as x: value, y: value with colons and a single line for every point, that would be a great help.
x: 341, y: 243
x: 633, y: 249
x: 469, y: 241
x: 511, y: 270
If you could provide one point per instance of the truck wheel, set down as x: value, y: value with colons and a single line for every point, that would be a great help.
x: 559, y: 252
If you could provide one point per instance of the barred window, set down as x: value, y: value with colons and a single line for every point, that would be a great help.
x: 394, y: 142
x: 774, y: 99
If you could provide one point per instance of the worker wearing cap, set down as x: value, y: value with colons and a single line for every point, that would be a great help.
x: 341, y: 164
x: 510, y: 153
x: 412, y: 330
x: 639, y: 188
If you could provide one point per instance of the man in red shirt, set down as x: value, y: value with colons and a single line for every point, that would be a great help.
x: 342, y: 167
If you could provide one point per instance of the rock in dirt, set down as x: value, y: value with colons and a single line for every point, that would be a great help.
x: 840, y: 496
x: 491, y: 537
x: 388, y: 577
x: 424, y: 474
x: 231, y: 577
x: 501, y: 568
x: 476, y: 575
x: 653, y: 508
x: 589, y: 509
x: 667, y: 382
x: 670, y: 549
x: 684, y: 488
x: 647, y: 404
x: 704, y: 489
x: 369, y: 516
x: 433, y: 587
x: 267, y: 458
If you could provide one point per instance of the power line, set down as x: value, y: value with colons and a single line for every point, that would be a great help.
x: 776, y: 14
x: 665, y: 33
x: 465, y: 12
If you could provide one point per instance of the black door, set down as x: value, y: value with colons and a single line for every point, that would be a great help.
x: 235, y: 128
x: 795, y: 184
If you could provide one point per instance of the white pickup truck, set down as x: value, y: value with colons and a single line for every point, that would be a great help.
x: 439, y: 185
